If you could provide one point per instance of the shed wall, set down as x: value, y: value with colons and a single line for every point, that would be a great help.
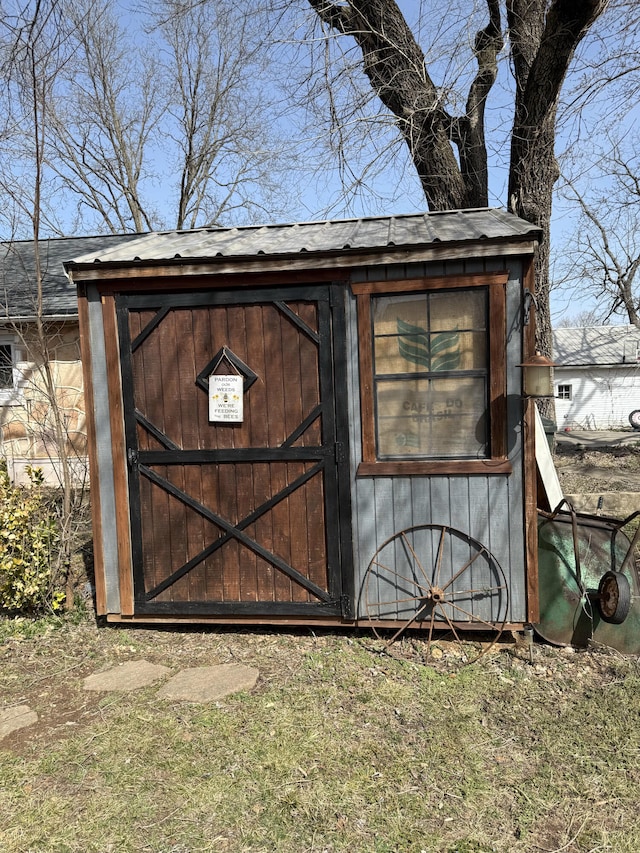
x: 489, y: 508
x: 104, y: 509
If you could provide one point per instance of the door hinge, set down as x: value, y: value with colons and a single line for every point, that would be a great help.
x: 345, y: 607
x: 341, y: 456
x: 132, y: 457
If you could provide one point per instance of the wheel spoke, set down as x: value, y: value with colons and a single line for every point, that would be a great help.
x: 450, y: 624
x: 472, y: 616
x: 404, y: 627
x: 431, y: 625
x: 385, y: 603
x: 469, y: 562
x: 396, y: 576
x: 415, y: 557
x: 438, y: 565
x: 484, y: 589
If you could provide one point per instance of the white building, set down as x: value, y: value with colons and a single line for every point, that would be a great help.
x: 597, y: 376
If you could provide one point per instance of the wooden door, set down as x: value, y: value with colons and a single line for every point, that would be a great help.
x: 247, y: 518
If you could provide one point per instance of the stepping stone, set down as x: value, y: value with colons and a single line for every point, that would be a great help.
x: 209, y: 683
x: 18, y: 717
x: 127, y: 676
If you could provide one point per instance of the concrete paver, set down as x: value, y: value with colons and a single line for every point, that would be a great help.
x: 18, y: 717
x: 127, y: 676
x: 209, y: 683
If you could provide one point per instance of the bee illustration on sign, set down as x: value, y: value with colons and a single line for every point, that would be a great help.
x: 226, y: 398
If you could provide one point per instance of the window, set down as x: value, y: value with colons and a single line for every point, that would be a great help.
x: 565, y: 392
x: 433, y: 374
x: 6, y: 367
x: 9, y: 387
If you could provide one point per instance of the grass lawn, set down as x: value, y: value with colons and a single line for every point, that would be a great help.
x: 339, y: 747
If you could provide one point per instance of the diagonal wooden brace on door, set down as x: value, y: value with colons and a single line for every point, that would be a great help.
x: 235, y: 532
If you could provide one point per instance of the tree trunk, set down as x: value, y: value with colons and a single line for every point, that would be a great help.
x: 395, y: 66
x: 543, y: 36
x: 543, y: 40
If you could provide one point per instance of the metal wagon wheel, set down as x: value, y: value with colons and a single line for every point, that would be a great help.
x: 436, y: 577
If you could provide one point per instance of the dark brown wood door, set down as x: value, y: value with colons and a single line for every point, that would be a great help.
x: 246, y: 518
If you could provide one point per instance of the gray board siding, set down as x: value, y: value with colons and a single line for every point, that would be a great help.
x: 104, y: 459
x: 490, y: 509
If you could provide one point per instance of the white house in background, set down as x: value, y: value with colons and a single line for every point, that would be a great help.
x: 597, y: 376
x: 26, y: 414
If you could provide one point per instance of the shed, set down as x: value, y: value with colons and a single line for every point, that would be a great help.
x: 597, y: 376
x: 314, y: 423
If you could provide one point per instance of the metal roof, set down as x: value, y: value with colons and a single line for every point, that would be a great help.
x: 596, y: 345
x: 18, y: 288
x: 304, y: 240
x: 332, y: 237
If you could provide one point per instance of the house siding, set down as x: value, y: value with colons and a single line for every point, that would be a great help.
x: 27, y: 430
x: 602, y: 397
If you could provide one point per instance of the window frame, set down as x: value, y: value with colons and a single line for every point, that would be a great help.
x: 12, y: 396
x: 565, y: 391
x: 497, y: 461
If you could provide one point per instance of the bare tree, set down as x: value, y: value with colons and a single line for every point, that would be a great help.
x: 102, y: 118
x: 167, y: 129
x: 600, y: 259
x: 219, y: 114
x: 445, y: 133
x: 35, y: 51
x: 580, y: 320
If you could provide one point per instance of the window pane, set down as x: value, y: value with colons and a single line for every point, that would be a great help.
x: 423, y: 353
x: 460, y: 309
x: 430, y: 333
x: 432, y: 418
x: 388, y: 310
x: 6, y: 366
x: 564, y: 392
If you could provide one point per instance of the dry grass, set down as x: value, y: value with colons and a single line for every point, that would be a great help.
x: 339, y: 748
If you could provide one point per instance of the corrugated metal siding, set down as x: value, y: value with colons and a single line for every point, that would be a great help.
x: 602, y: 398
x: 488, y: 508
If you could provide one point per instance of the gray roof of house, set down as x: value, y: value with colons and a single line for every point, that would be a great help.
x: 596, y: 345
x: 333, y: 237
x: 18, y: 279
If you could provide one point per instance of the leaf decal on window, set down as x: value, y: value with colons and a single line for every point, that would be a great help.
x: 445, y: 351
x: 413, y: 343
x: 439, y: 352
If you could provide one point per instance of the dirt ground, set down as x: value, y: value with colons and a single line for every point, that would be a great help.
x: 592, y: 470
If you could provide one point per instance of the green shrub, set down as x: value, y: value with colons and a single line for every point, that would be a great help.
x: 29, y: 581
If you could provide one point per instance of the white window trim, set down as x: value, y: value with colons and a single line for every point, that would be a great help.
x: 13, y: 396
x: 561, y: 391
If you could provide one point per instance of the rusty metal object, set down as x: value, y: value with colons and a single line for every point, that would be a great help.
x: 436, y: 578
x: 614, y: 597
